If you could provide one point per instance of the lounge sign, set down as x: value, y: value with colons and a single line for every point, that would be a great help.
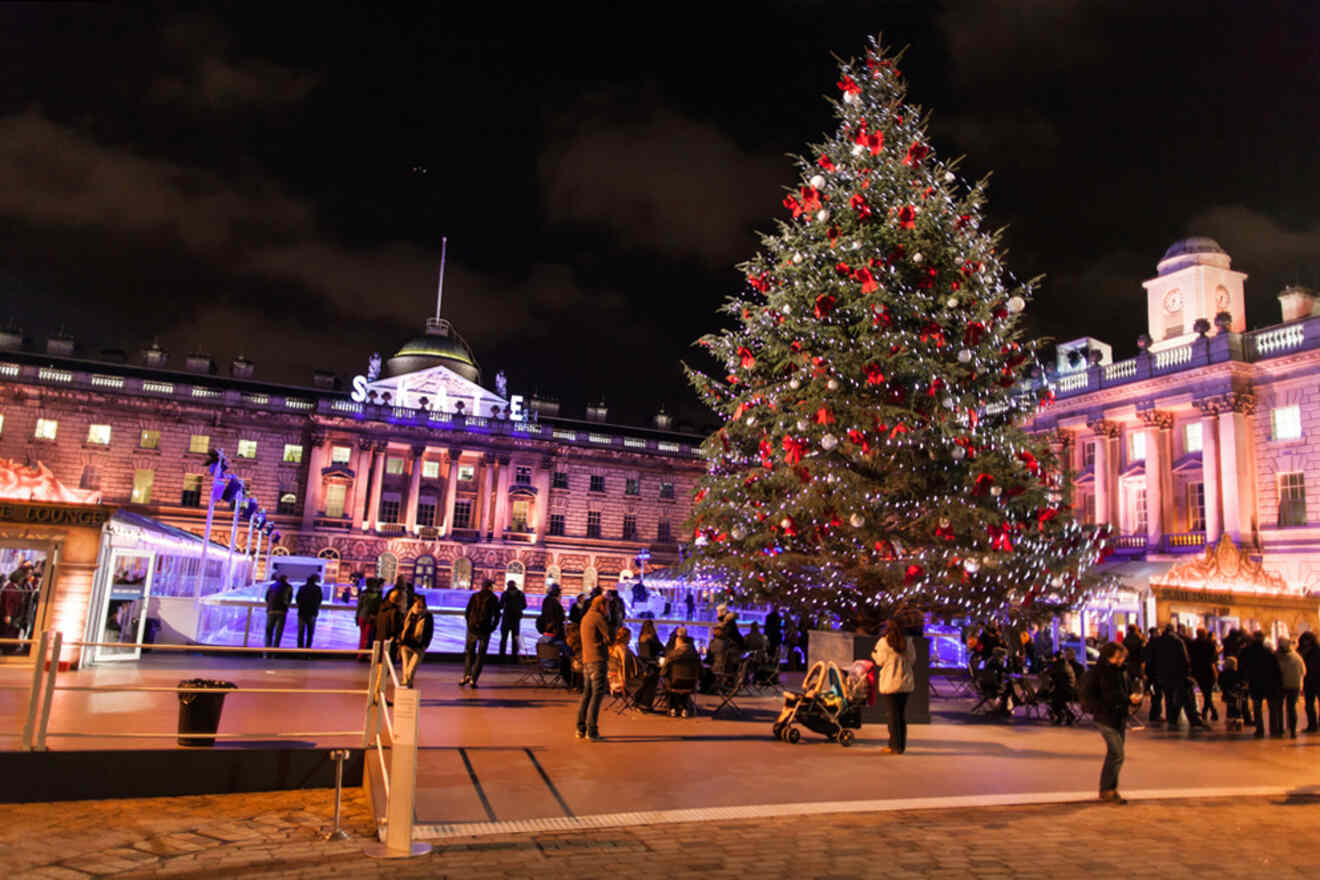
x: 54, y: 514
x: 1175, y: 594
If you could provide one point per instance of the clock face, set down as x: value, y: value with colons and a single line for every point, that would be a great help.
x: 1173, y: 301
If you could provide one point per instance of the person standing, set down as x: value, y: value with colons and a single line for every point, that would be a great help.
x: 418, y: 629
x: 1309, y: 649
x: 550, y: 622
x: 596, y: 640
x: 309, y: 606
x: 389, y: 625
x: 1108, y: 697
x: 1260, y: 667
x: 1292, y: 672
x: 512, y: 605
x: 1135, y: 647
x: 368, y: 606
x: 774, y: 634
x: 279, y: 596
x: 1151, y: 670
x: 1172, y: 666
x: 482, y: 616
x: 1204, y: 657
x: 690, y: 604
x: 895, y: 658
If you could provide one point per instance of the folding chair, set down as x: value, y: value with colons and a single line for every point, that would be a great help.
x: 728, y: 686
x: 543, y: 669
x: 678, y: 691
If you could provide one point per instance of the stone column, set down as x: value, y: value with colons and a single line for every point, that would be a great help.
x: 361, y: 477
x: 451, y: 489
x: 414, y: 488
x: 485, y: 511
x: 542, y: 483
x: 1210, y: 470
x: 1237, y: 466
x: 315, y: 486
x: 1156, y: 428
x: 502, y: 497
x: 1106, y: 476
x: 377, y: 478
x: 1061, y: 443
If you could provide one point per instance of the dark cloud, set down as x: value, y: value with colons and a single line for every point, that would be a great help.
x: 990, y: 41
x: 209, y: 76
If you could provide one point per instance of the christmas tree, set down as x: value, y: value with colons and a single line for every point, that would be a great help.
x: 870, y: 454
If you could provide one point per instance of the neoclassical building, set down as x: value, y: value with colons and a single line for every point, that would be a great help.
x: 1202, y: 452
x: 419, y: 469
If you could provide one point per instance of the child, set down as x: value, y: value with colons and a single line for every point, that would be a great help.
x: 1234, y: 689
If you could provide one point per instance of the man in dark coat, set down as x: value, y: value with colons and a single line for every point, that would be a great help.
x: 774, y: 634
x: 309, y: 606
x: 482, y: 616
x: 550, y: 622
x: 1171, y: 667
x: 1152, y: 677
x: 1309, y: 649
x: 512, y: 605
x: 279, y: 596
x: 1264, y: 683
x: 1108, y: 697
x: 1205, y: 668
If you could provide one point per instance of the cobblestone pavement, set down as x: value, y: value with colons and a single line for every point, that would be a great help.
x: 277, y: 836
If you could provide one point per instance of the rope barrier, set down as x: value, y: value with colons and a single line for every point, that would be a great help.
x: 182, y: 690
x: 295, y: 735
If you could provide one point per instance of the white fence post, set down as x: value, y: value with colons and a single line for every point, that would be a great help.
x: 37, y: 651
x: 403, y: 782
x: 40, y: 744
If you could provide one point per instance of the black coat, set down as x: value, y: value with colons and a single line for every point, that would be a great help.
x: 1202, y: 655
x: 1105, y: 694
x: 389, y: 622
x: 414, y: 640
x: 1171, y: 661
x: 309, y: 600
x: 512, y: 604
x: 1311, y: 657
x: 279, y: 596
x: 483, y: 613
x: 551, y: 619
x: 1261, y: 669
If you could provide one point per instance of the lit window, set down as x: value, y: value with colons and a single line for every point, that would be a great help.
x: 1088, y: 453
x: 431, y: 469
x: 463, y: 514
x: 2, y: 423
x: 98, y: 434
x: 1292, y: 498
x: 149, y: 440
x: 556, y: 524
x: 1139, y: 505
x: 520, y: 515
x: 1137, y: 446
x: 335, y: 495
x: 632, y: 486
x: 341, y: 454
x: 293, y: 453
x: 559, y: 480
x: 1286, y: 422
x: 597, y: 483
x: 593, y: 524
x: 629, y: 527
x: 1196, y: 507
x: 462, y: 574
x: 394, y: 465
x: 467, y: 473
x: 389, y: 509
x: 666, y: 490
x: 142, y: 480
x: 191, y: 496
x: 522, y: 474
x: 247, y: 448
x: 46, y: 429
x: 199, y: 443
x: 1192, y: 437
x: 288, y: 503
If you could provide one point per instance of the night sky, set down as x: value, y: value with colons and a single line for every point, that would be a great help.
x: 275, y: 184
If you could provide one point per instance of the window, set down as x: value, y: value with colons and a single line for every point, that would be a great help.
x: 666, y: 490
x: 335, y: 495
x: 1286, y: 422
x: 142, y: 480
x: 520, y: 515
x: 90, y: 478
x: 46, y: 429
x: 192, y: 491
x: 149, y: 440
x: 1137, y: 446
x: 597, y: 483
x: 593, y: 524
x: 1196, y: 507
x: 98, y: 434
x: 293, y: 453
x: 341, y: 454
x: 559, y: 480
x: 556, y: 524
x: 288, y: 503
x: 463, y: 514
x: 1139, y: 512
x: 462, y: 574
x: 522, y: 474
x: 424, y: 572
x: 1292, y: 498
x: 2, y: 423
x: 199, y: 443
x: 394, y: 465
x: 467, y: 473
x: 1088, y: 453
x: 247, y: 448
x: 426, y: 511
x: 389, y: 508
x: 1192, y: 437
x: 1087, y: 515
x: 629, y: 527
x: 632, y: 486
x: 431, y: 470
x: 662, y: 532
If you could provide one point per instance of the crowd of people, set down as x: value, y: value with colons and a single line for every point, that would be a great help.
x: 19, y: 594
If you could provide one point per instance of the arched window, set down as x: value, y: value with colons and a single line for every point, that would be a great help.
x: 516, y: 572
x: 331, y: 557
x: 589, y: 578
x: 462, y: 574
x: 424, y: 572
x: 288, y: 503
x: 279, y: 551
x: 552, y: 575
x: 387, y: 567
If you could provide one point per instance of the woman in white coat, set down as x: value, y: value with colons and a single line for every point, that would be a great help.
x: 895, y: 659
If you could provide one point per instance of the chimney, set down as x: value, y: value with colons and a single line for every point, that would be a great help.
x: 61, y: 343
x: 663, y: 420
x: 324, y: 379
x: 543, y: 405
x: 154, y: 356
x: 1296, y: 302
x: 598, y: 413
x: 200, y: 362
x: 11, y: 337
x: 241, y: 368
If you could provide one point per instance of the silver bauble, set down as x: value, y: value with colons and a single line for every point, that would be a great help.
x: 965, y: 356
x: 951, y: 302
x: 856, y: 520
x: 828, y: 442
x: 917, y: 257
x: 971, y: 566
x: 794, y: 384
x: 818, y: 181
x: 996, y: 491
x: 803, y: 424
x: 959, y: 453
x: 833, y: 384
x: 738, y: 532
x: 1016, y: 304
x: 823, y: 214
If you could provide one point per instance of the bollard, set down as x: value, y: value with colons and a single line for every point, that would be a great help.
x: 35, y: 698
x: 338, y: 756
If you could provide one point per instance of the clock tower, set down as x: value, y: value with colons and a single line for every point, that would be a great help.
x: 1195, y: 280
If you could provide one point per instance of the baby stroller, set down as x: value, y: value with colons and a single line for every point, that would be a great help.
x: 829, y: 704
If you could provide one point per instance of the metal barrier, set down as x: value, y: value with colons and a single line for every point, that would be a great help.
x: 399, y: 779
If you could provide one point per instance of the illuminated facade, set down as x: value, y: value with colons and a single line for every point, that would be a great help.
x: 1202, y: 451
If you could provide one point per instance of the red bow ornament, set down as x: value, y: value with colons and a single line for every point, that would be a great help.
x: 793, y: 450
x: 859, y: 439
x: 824, y: 305
x: 916, y: 153
x: 748, y: 359
x: 975, y: 333
x: 824, y: 416
x: 875, y: 141
x: 1030, y: 462
x: 1001, y: 538
x: 858, y: 204
x: 944, y: 532
x: 907, y: 217
x: 873, y: 375
x: 833, y: 235
x: 869, y: 283
x: 848, y: 85
x: 983, y: 483
x: 913, y: 572
x: 824, y: 162
x: 880, y: 315
x: 933, y: 332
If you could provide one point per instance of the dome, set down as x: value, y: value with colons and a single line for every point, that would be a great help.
x: 441, y: 346
x: 1191, y: 251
